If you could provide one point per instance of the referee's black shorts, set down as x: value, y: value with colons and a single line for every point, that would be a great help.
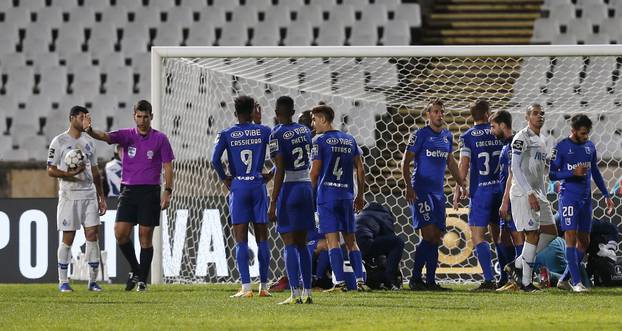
x: 139, y: 204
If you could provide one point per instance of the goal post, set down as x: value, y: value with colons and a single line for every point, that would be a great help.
x: 378, y: 93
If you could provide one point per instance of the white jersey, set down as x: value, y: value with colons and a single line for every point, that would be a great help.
x: 83, y: 187
x: 534, y: 162
x: 114, y: 170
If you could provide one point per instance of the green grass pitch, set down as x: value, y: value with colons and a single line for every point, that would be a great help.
x: 180, y: 307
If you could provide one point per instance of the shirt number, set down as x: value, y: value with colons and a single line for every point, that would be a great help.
x: 299, y: 159
x: 247, y: 158
x: 337, y: 171
x: 486, y: 157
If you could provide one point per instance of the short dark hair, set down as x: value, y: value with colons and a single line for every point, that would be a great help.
x: 244, y: 104
x: 286, y: 103
x: 305, y: 119
x: 326, y: 111
x: 76, y: 110
x: 143, y: 105
x: 502, y: 116
x: 479, y: 108
x: 436, y: 102
x: 579, y: 121
x: 532, y: 106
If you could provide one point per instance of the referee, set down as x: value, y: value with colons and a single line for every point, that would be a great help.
x: 145, y: 151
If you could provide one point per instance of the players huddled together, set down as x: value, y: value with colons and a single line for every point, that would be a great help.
x: 318, y: 173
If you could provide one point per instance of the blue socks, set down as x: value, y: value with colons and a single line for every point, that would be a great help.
x: 503, y: 260
x: 421, y: 257
x: 336, y: 263
x: 573, y: 265
x: 322, y: 264
x: 485, y: 259
x: 291, y: 266
x: 241, y: 257
x: 430, y: 264
x: 264, y: 260
x: 305, y: 266
x: 356, y: 260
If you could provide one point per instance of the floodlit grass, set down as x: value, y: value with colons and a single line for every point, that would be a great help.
x: 41, y: 306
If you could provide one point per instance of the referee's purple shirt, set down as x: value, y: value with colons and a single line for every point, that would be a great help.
x: 142, y: 155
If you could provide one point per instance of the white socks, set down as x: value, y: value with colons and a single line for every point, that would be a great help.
x: 246, y: 287
x: 529, y: 255
x: 64, y: 258
x: 92, y: 257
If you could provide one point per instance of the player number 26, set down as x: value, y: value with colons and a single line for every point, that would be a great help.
x: 424, y: 207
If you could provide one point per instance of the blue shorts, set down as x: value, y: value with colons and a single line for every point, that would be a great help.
x: 336, y: 216
x: 484, y: 207
x: 294, y: 210
x: 248, y: 203
x: 507, y: 224
x: 429, y: 209
x: 576, y: 214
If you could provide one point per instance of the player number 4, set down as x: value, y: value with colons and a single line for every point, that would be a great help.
x: 337, y: 171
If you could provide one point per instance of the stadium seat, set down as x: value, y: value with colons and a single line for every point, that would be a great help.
x: 135, y: 40
x: 44, y: 60
x: 281, y: 15
x: 389, y: 4
x: 32, y: 5
x: 612, y: 27
x: 248, y: 15
x: 564, y: 39
x: 52, y: 16
x: 107, y: 61
x: 562, y: 87
x: 331, y: 33
x: 99, y: 5
x: 103, y: 37
x: 6, y: 144
x: 81, y: 16
x: 266, y: 34
x: 410, y: 12
x: 194, y: 5
x: 544, y: 30
x: 382, y: 73
x: 350, y: 80
x: 595, y: 12
x: 344, y: 14
x: 169, y: 34
x: 597, y: 39
x: 86, y: 81
x: 148, y: 17
x: 258, y: 4
x: 16, y: 155
x: 532, y: 79
x: 291, y: 4
x: 116, y: 16
x: 119, y: 80
x: 226, y: 5
x: 363, y: 34
x: 299, y: 34
x: 376, y: 15
x: 12, y: 60
x: 233, y: 34
x: 20, y: 82
x: 180, y: 15
x: 580, y: 28
x: 326, y: 4
x: 38, y: 39
x: 201, y: 33
x: 70, y: 40
x: 214, y: 16
x: 75, y: 61
x: 315, y: 76
x: 162, y: 5
x: 599, y: 76
x: 562, y: 13
x: 311, y: 14
x: 53, y: 81
x: 359, y: 5
x: 396, y: 32
x: 17, y: 17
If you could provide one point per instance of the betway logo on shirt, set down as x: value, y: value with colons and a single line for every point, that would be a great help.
x: 573, y: 166
x: 437, y: 153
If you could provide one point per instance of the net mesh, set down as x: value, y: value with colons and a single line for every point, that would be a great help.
x: 379, y: 100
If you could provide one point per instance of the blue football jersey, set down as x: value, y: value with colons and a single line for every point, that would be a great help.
x: 246, y: 146
x: 483, y: 149
x: 505, y: 163
x: 431, y: 151
x: 337, y: 151
x: 293, y: 142
x: 566, y: 157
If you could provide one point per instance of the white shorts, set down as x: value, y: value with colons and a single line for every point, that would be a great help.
x: 527, y: 219
x: 70, y: 214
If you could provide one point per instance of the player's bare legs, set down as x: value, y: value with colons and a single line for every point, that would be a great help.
x: 92, y: 256
x: 123, y: 232
x: 64, y: 258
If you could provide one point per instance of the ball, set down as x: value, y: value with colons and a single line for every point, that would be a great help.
x: 74, y: 158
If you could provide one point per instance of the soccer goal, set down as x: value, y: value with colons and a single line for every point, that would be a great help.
x: 378, y: 94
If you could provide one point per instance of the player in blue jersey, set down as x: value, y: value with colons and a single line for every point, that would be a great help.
x: 479, y: 153
x: 431, y: 150
x: 291, y: 203
x: 336, y: 158
x: 501, y: 127
x: 246, y: 144
x: 575, y: 164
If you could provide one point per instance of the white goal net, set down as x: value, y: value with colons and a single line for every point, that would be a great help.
x: 379, y: 100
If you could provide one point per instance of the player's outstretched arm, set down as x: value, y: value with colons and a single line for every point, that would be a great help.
x: 359, y: 201
x: 279, y: 177
x: 96, y: 134
x: 101, y: 199
x: 411, y: 195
